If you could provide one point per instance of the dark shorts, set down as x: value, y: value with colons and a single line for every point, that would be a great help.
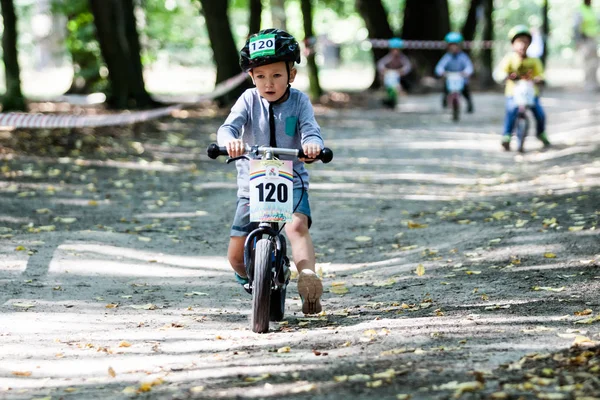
x: 241, y: 222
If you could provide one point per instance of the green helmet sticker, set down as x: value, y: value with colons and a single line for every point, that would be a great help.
x: 262, y: 45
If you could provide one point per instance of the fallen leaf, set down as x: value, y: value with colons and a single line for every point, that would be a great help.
x: 20, y: 248
x: 21, y: 373
x: 587, y: 311
x: 124, y: 344
x: 362, y: 238
x: 548, y: 288
x: 521, y: 223
x: 549, y: 255
x: 148, y: 306
x: 420, y: 271
x: 575, y: 228
x: 338, y: 289
x: 285, y: 349
x: 111, y: 305
x: 415, y: 225
x: 473, y: 272
x: 23, y: 305
x: 375, y: 384
x: 256, y: 378
x: 197, y: 389
x: 111, y: 372
x: 303, y: 388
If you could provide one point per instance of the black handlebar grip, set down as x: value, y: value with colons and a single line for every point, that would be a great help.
x: 215, y: 151
x: 326, y: 155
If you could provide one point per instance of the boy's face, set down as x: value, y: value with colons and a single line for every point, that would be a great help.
x: 453, y: 48
x: 271, y: 80
x: 520, y: 45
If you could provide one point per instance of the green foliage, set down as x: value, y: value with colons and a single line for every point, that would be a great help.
x: 82, y: 45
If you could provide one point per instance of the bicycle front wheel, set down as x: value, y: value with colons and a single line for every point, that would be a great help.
x: 522, y: 128
x: 455, y: 108
x: 261, y: 286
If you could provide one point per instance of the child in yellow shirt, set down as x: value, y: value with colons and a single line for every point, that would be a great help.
x: 515, y: 66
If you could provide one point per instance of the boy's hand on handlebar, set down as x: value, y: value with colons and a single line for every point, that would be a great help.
x: 311, y: 150
x: 236, y: 148
x: 513, y: 76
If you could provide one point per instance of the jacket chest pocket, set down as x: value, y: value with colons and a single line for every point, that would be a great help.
x: 291, y: 124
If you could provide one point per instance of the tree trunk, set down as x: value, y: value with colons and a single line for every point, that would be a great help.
x: 426, y: 20
x: 120, y: 49
x: 278, y: 14
x: 487, y: 54
x: 470, y: 26
x: 375, y: 16
x: 315, y: 90
x: 225, y: 52
x: 255, y: 16
x: 136, y: 70
x: 545, y: 31
x: 13, y: 99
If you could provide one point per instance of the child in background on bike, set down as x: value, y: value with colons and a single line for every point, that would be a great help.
x: 397, y: 61
x: 514, y: 66
x: 274, y: 114
x: 455, y: 60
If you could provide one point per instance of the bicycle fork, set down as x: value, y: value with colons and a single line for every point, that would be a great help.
x: 278, y: 258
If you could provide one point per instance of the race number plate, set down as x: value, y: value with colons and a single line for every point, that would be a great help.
x: 271, y: 190
x: 262, y: 45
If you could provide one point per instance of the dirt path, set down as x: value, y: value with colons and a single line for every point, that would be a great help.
x: 451, y: 269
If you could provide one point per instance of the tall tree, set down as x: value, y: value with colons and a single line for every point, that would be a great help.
x: 309, y: 40
x: 426, y: 20
x: 255, y: 16
x: 119, y: 44
x: 375, y: 16
x: 470, y: 26
x: 13, y: 98
x: 545, y: 30
x: 487, y: 54
x: 225, y: 53
x: 278, y: 14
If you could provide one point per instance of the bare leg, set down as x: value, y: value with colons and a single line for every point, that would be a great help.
x: 310, y: 287
x: 303, y: 250
x: 235, y: 254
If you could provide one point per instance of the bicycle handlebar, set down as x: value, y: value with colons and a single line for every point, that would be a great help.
x: 214, y: 151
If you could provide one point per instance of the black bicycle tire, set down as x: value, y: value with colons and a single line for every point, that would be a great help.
x: 455, y: 109
x: 278, y: 304
x: 522, y: 126
x: 261, y: 286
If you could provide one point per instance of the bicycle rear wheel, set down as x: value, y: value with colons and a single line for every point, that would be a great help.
x: 278, y: 304
x: 261, y: 286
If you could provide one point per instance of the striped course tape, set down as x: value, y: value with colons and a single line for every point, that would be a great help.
x: 431, y: 44
x: 26, y: 120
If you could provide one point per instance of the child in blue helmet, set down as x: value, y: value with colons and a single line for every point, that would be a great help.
x: 396, y: 61
x: 274, y: 114
x: 456, y: 60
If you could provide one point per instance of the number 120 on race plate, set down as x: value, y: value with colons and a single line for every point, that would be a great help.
x: 271, y: 191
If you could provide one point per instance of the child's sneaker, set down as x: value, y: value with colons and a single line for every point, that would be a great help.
x: 310, y: 289
x: 245, y: 282
x: 506, y: 142
x: 544, y: 139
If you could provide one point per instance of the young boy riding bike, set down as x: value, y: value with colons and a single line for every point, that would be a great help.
x: 273, y: 114
x: 517, y: 65
x: 391, y: 69
x: 455, y: 60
